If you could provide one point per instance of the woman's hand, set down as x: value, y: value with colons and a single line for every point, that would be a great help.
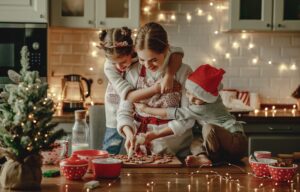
x: 130, y: 139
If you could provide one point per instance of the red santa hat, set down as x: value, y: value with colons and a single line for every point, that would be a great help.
x: 205, y: 82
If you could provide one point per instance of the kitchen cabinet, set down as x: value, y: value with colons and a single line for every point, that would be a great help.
x: 276, y: 137
x: 275, y: 15
x: 35, y: 11
x: 95, y: 13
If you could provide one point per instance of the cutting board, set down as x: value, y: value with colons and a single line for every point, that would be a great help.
x: 174, y: 163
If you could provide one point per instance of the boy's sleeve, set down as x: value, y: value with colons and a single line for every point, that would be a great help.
x: 179, y: 113
x: 121, y: 86
x: 179, y: 127
x: 125, y: 116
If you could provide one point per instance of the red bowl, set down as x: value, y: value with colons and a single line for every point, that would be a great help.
x: 91, y: 154
x: 260, y: 167
x: 73, y: 168
x: 107, y: 168
x: 282, y: 174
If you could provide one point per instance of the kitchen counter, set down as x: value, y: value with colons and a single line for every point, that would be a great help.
x: 219, y: 178
x: 262, y: 116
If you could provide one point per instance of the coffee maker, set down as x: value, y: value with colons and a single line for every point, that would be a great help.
x: 73, y: 94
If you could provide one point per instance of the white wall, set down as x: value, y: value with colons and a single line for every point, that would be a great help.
x: 200, y: 45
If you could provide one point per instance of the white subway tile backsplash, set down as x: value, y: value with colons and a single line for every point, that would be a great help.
x: 201, y: 45
x: 250, y: 72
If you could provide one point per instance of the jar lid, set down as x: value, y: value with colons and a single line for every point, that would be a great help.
x: 73, y: 160
x: 80, y: 114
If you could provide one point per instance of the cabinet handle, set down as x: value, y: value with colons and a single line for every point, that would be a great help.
x: 269, y: 25
x: 280, y: 25
x: 91, y: 22
x: 102, y: 23
x: 42, y: 16
x: 280, y: 129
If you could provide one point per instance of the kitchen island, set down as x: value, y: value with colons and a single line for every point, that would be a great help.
x: 228, y: 177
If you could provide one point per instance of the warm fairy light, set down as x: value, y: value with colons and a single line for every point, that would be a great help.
x: 146, y: 9
x: 214, y: 60
x: 199, y: 12
x: 161, y: 17
x: 235, y: 45
x: 244, y: 36
x: 250, y: 46
x: 109, y: 184
x: 94, y: 44
x: 266, y: 108
x: 94, y: 53
x: 211, y: 4
x: 255, y: 60
x: 91, y: 69
x: 283, y: 67
x: 273, y: 107
x: 216, y: 32
x: 209, y: 18
x: 293, y: 67
x: 128, y: 174
x: 148, y: 184
x: 34, y: 121
x: 227, y: 55
x: 188, y: 17
x: 173, y: 17
x: 270, y: 62
x: 30, y: 116
x: 256, y: 111
x: 294, y: 106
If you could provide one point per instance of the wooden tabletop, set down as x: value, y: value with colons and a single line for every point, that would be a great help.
x: 228, y: 177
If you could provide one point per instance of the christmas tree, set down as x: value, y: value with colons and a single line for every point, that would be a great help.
x: 25, y: 114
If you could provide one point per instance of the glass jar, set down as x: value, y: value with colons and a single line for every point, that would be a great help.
x: 80, y: 132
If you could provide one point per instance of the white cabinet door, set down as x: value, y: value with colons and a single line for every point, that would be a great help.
x: 250, y: 15
x: 24, y: 11
x: 286, y: 15
x: 73, y: 13
x: 117, y: 13
x: 95, y: 13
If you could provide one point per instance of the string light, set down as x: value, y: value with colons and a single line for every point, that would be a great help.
x: 91, y: 69
x: 188, y: 17
x: 173, y: 17
x: 161, y: 17
x: 293, y: 67
x: 255, y: 60
x: 227, y: 55
x: 199, y: 12
x: 235, y: 45
x: 270, y: 62
x: 209, y: 18
x: 216, y: 32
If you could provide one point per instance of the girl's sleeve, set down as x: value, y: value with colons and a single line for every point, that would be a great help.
x: 181, y: 126
x: 121, y: 86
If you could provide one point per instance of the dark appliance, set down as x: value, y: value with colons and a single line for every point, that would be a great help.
x: 13, y: 36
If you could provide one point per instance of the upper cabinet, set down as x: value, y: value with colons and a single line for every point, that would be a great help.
x: 24, y: 11
x: 95, y: 13
x: 278, y: 15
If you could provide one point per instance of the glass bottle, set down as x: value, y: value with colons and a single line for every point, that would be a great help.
x: 80, y: 132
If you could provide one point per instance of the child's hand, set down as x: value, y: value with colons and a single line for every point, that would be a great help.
x: 166, y: 84
x: 149, y: 137
x: 140, y: 106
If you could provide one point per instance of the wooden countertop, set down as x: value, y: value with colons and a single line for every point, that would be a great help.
x: 175, y: 179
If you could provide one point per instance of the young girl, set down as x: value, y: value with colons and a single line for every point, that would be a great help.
x: 118, y: 48
x: 223, y: 136
x: 153, y: 51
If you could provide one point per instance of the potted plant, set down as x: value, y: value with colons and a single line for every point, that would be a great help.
x: 25, y: 128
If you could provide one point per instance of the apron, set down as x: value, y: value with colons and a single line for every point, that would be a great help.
x: 159, y: 100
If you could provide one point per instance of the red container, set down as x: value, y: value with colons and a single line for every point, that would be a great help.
x: 260, y: 167
x: 73, y: 168
x: 107, y: 168
x: 282, y: 174
x: 262, y: 154
x: 91, y: 154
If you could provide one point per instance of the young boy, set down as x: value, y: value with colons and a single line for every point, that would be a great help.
x: 223, y: 136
